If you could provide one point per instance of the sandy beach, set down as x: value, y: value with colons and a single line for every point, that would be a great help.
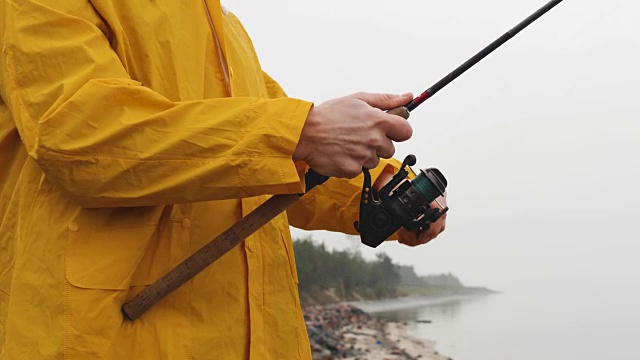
x: 394, y: 343
x: 346, y: 332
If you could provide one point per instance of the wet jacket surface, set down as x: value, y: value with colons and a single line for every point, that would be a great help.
x: 131, y: 134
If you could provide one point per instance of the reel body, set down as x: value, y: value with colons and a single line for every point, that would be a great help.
x: 400, y: 203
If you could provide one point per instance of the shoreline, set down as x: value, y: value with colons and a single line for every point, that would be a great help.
x: 344, y: 331
x: 412, y: 301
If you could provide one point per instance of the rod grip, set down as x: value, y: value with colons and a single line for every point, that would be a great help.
x: 313, y: 179
x: 400, y: 111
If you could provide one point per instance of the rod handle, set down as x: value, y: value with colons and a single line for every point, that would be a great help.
x: 400, y: 111
x: 207, y: 255
x: 313, y: 179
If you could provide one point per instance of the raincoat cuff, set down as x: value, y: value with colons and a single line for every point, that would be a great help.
x: 294, y: 171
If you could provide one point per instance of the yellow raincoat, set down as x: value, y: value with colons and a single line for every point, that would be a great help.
x: 132, y: 133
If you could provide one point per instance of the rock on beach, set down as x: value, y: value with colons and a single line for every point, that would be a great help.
x: 346, y: 332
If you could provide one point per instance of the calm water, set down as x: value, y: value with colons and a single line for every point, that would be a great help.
x: 538, y: 321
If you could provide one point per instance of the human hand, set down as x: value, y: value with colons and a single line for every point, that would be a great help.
x: 411, y: 238
x: 343, y: 135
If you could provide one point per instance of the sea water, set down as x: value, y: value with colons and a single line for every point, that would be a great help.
x: 576, y: 319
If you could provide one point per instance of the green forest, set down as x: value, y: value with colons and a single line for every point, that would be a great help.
x: 332, y: 276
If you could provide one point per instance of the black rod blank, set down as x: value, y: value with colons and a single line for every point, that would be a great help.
x: 479, y: 56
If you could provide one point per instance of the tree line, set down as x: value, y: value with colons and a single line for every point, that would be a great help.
x: 344, y: 273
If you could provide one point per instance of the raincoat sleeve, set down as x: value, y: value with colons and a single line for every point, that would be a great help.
x: 107, y: 140
x: 335, y: 205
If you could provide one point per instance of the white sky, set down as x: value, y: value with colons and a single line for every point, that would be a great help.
x: 539, y: 142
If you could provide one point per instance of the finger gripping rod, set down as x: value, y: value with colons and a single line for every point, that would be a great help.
x: 233, y: 236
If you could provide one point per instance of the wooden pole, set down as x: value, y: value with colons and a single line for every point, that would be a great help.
x: 208, y: 254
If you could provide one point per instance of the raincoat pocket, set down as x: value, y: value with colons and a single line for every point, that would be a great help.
x: 107, y: 266
x: 106, y: 259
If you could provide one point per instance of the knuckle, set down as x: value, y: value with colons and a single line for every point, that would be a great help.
x: 386, y: 120
x: 373, y: 140
x: 386, y: 152
x: 409, y: 131
x: 377, y: 116
x: 391, y: 150
x: 353, y: 173
x: 360, y: 95
x: 372, y: 161
x: 351, y: 170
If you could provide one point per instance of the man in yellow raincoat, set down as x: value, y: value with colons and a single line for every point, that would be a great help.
x: 132, y: 133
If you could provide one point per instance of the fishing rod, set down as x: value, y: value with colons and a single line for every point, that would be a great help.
x: 408, y: 206
x: 430, y: 92
x: 399, y: 203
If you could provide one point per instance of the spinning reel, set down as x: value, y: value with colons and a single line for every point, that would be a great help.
x: 400, y: 203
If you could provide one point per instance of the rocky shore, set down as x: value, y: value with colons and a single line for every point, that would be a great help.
x: 346, y: 332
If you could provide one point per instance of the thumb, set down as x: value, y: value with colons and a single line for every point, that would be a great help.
x: 385, y: 101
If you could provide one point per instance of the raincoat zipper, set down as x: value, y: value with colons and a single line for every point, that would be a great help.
x: 221, y: 57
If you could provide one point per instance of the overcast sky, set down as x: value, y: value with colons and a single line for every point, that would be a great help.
x: 539, y: 142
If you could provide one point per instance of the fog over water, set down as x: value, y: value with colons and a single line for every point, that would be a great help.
x: 549, y: 321
x: 539, y: 142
